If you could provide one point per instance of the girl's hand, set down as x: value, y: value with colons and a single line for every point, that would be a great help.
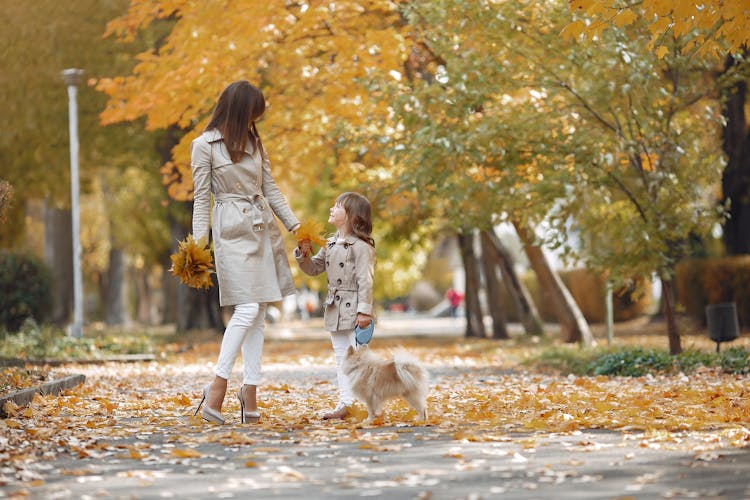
x: 305, y: 247
x: 363, y: 320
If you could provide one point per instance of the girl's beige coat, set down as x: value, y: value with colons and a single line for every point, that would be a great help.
x: 350, y: 267
x: 251, y: 261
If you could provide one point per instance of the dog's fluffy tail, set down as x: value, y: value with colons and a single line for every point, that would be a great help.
x: 409, y: 370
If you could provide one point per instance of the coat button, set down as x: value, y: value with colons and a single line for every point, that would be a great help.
x: 348, y: 304
x: 338, y: 298
x: 341, y: 264
x: 338, y: 281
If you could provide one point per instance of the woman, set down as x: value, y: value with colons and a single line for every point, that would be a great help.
x: 229, y: 160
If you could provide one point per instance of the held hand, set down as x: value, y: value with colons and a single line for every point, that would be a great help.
x: 363, y: 320
x: 305, y: 247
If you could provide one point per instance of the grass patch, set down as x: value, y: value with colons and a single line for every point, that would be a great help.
x: 637, y: 361
x: 34, y: 342
x: 563, y: 360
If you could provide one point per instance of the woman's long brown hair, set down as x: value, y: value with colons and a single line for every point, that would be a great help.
x: 240, y: 104
x: 358, y: 213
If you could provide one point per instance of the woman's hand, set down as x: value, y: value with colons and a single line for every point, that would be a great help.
x: 363, y: 320
x: 305, y: 247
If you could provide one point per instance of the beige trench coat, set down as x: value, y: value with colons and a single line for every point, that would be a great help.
x: 251, y: 261
x: 350, y: 267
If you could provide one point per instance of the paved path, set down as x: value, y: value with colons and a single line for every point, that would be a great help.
x: 323, y: 461
x: 166, y: 454
x: 392, y: 326
x: 413, y: 462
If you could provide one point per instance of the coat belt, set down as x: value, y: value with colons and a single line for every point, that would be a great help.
x: 333, y: 291
x: 257, y: 201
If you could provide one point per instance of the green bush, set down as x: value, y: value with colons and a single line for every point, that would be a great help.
x: 34, y: 342
x: 636, y: 362
x: 691, y: 359
x: 632, y: 362
x: 735, y: 360
x: 24, y: 290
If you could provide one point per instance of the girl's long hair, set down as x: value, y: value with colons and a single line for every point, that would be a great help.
x: 358, y: 214
x: 240, y: 104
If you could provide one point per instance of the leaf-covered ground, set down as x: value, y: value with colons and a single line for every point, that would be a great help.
x: 480, y: 392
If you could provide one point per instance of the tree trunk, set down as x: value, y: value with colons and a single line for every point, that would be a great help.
x: 58, y: 254
x: 474, y: 315
x: 673, y: 332
x: 114, y: 299
x: 527, y: 311
x: 194, y: 309
x: 572, y: 323
x: 494, y: 299
x: 735, y: 180
x: 169, y: 291
x: 142, y: 295
x: 190, y: 308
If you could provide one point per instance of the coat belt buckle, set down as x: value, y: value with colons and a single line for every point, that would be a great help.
x: 258, y: 227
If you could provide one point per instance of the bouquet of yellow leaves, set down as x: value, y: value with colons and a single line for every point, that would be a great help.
x: 192, y: 263
x: 311, y: 230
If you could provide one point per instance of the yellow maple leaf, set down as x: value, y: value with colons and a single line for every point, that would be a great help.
x: 135, y: 454
x: 185, y: 453
x: 311, y: 230
x: 13, y: 424
x: 573, y: 30
x: 192, y: 263
x: 10, y: 408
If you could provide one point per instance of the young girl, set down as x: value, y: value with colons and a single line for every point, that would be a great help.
x: 349, y: 261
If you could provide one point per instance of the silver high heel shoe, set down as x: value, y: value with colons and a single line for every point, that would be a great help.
x: 246, y: 416
x: 208, y: 413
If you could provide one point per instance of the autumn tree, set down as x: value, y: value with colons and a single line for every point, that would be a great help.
x: 308, y: 59
x: 35, y: 150
x: 720, y: 29
x: 714, y: 27
x: 609, y: 139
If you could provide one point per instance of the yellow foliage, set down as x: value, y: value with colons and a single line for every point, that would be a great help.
x: 192, y: 263
x: 311, y: 230
x: 649, y: 162
x: 309, y: 59
x: 731, y: 20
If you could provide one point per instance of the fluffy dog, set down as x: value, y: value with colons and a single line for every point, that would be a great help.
x: 375, y: 380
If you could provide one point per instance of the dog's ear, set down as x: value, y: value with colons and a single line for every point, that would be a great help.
x: 350, y: 351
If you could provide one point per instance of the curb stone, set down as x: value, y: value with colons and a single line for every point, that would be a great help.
x: 54, y: 387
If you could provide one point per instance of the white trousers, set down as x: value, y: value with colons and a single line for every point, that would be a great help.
x: 341, y: 342
x: 244, y: 331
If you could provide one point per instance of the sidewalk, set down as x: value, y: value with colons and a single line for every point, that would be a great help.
x: 406, y: 463
x: 128, y: 432
x: 389, y: 326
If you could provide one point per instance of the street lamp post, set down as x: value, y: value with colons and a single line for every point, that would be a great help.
x: 72, y: 78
